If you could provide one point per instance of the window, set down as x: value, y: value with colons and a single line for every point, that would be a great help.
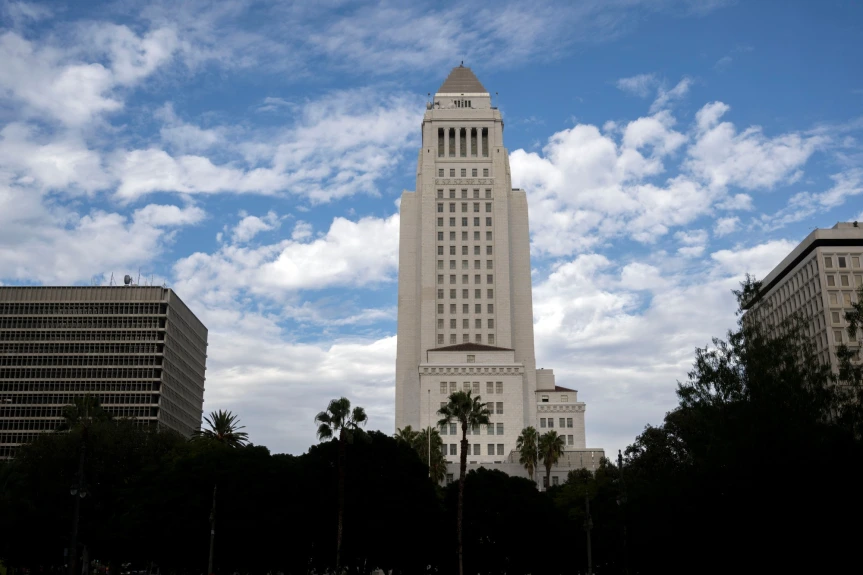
x: 564, y: 398
x: 490, y: 294
x: 485, y: 172
x: 477, y: 279
x: 451, y: 170
x: 488, y: 207
x: 453, y: 429
x: 476, y: 194
x: 488, y: 264
x: 463, y: 171
x: 464, y: 278
x: 465, y: 308
x: 449, y: 478
x: 855, y: 262
x: 443, y: 430
x: 476, y: 236
x: 491, y: 448
x: 476, y: 206
x: 562, y: 422
x: 544, y: 481
x: 499, y: 408
x: 834, y: 298
x: 847, y: 298
x: 452, y: 308
x: 554, y: 480
x: 551, y: 422
x: 834, y: 316
x: 471, y: 359
x: 500, y: 448
x: 489, y: 387
x: 831, y: 281
x: 491, y: 339
x: 452, y: 323
x: 476, y: 221
x: 498, y: 387
x: 464, y: 294
x: 440, y: 323
x: 542, y: 422
x: 452, y: 338
x: 476, y: 388
x: 452, y: 387
x: 491, y: 308
x: 477, y: 323
x: 841, y: 262
x: 569, y: 440
x: 452, y: 236
x: 487, y: 250
x: 488, y: 236
x: 489, y: 427
x: 452, y: 221
x: 452, y: 264
x: 440, y: 308
x: 837, y: 336
x: 440, y: 221
x: 440, y: 173
x: 465, y: 387
x: 464, y: 207
x: 488, y: 221
x: 440, y: 278
x: 843, y: 281
x: 491, y: 323
x: 440, y: 294
x: 440, y: 264
x: 464, y: 223
x: 544, y: 398
x: 476, y: 450
x: 465, y: 338
x: 828, y: 262
x: 477, y: 308
x: 452, y: 280
x: 452, y: 194
x: 489, y: 279
x: 453, y: 449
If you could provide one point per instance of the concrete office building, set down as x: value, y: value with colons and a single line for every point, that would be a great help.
x: 465, y: 308
x: 139, y: 349
x: 820, y: 278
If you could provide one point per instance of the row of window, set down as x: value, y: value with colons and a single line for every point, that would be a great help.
x: 23, y: 412
x: 465, y: 324
x: 465, y: 307
x: 490, y: 386
x: 446, y: 142
x: 79, y: 348
x: 464, y: 196
x: 465, y: 338
x: 564, y: 422
x: 464, y: 221
x: 844, y: 280
x: 83, y: 308
x: 81, y: 322
x: 62, y: 399
x: 490, y: 429
x: 78, y: 360
x: 462, y: 172
x: 453, y: 450
x: 79, y: 387
x: 465, y: 264
x: 464, y: 250
x: 841, y: 298
x: 83, y: 335
x: 465, y: 277
x: 453, y: 294
x: 842, y: 261
x: 464, y: 207
x: 30, y: 372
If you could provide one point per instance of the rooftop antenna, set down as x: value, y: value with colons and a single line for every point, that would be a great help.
x: 137, y: 283
x: 111, y: 281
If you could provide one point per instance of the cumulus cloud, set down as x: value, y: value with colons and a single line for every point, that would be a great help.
x: 639, y: 85
x: 665, y: 97
x: 250, y: 226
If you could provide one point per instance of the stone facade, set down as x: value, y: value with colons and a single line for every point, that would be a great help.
x: 465, y: 304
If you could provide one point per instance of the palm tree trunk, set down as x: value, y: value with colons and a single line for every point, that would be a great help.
x: 342, y: 464
x: 547, y: 476
x: 461, y: 472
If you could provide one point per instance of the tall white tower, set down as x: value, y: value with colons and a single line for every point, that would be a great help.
x: 465, y: 308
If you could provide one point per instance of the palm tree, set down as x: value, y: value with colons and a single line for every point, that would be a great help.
x: 408, y: 435
x: 224, y: 429
x: 527, y: 449
x: 551, y: 448
x: 437, y: 461
x: 85, y: 411
x: 341, y: 422
x: 469, y: 412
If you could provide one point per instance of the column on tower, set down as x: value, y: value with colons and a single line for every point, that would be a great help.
x: 451, y: 143
x: 473, y: 147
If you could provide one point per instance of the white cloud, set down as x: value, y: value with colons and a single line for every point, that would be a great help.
x: 723, y: 157
x: 665, y: 97
x: 184, y: 137
x: 725, y: 226
x: 357, y: 254
x: 804, y: 204
x: 757, y: 260
x: 250, y: 226
x: 639, y: 85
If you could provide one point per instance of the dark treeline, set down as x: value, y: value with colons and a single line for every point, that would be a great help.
x: 757, y: 470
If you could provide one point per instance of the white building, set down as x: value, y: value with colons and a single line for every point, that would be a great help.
x: 465, y: 309
x: 820, y: 278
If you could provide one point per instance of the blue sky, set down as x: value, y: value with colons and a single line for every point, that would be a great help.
x: 251, y: 154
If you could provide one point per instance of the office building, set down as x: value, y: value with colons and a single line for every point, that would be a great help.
x: 138, y: 349
x: 465, y: 310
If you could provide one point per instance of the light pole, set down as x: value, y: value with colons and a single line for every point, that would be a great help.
x: 588, y: 525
